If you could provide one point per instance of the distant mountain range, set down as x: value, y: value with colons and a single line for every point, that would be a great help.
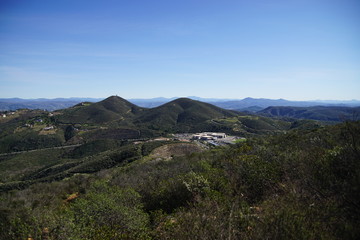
x: 8, y: 104
x: 321, y: 113
x: 246, y: 104
x: 264, y: 103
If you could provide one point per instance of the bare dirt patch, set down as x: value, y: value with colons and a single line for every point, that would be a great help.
x: 177, y: 149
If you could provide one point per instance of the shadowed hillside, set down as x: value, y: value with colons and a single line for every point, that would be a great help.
x: 182, y: 113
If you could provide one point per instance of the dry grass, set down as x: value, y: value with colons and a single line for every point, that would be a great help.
x: 177, y: 149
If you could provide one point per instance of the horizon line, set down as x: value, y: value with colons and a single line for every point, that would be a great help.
x: 191, y: 97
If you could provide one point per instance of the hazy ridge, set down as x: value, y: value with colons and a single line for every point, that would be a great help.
x: 7, y: 104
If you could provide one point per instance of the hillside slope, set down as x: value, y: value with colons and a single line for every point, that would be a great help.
x: 298, y: 185
x: 110, y: 109
x: 182, y: 113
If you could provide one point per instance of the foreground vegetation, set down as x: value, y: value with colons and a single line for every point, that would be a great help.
x: 300, y: 185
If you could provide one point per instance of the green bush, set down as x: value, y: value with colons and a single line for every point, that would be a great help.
x: 107, y: 212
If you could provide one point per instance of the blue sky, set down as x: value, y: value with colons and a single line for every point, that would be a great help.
x: 292, y: 49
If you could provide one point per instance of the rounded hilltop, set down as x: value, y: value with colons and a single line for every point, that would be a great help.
x: 109, y: 109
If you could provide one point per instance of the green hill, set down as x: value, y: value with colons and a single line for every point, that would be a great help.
x: 182, y: 114
x: 110, y: 109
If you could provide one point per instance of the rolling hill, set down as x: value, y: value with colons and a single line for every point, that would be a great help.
x: 320, y: 113
x: 182, y: 114
x: 117, y: 119
x: 110, y: 109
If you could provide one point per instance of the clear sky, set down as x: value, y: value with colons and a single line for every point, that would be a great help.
x: 292, y: 49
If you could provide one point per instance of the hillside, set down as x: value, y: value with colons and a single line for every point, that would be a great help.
x: 117, y: 119
x: 182, y: 114
x: 24, y: 130
x: 320, y: 113
x: 110, y: 109
x: 299, y: 185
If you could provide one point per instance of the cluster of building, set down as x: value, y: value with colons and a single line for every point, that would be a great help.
x: 214, y: 138
x: 208, y: 136
x: 4, y: 115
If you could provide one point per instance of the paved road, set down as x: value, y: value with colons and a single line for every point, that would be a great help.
x: 40, y: 149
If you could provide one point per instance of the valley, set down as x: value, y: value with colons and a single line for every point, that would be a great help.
x: 179, y: 120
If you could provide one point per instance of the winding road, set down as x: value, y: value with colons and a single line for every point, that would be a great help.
x: 40, y: 149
